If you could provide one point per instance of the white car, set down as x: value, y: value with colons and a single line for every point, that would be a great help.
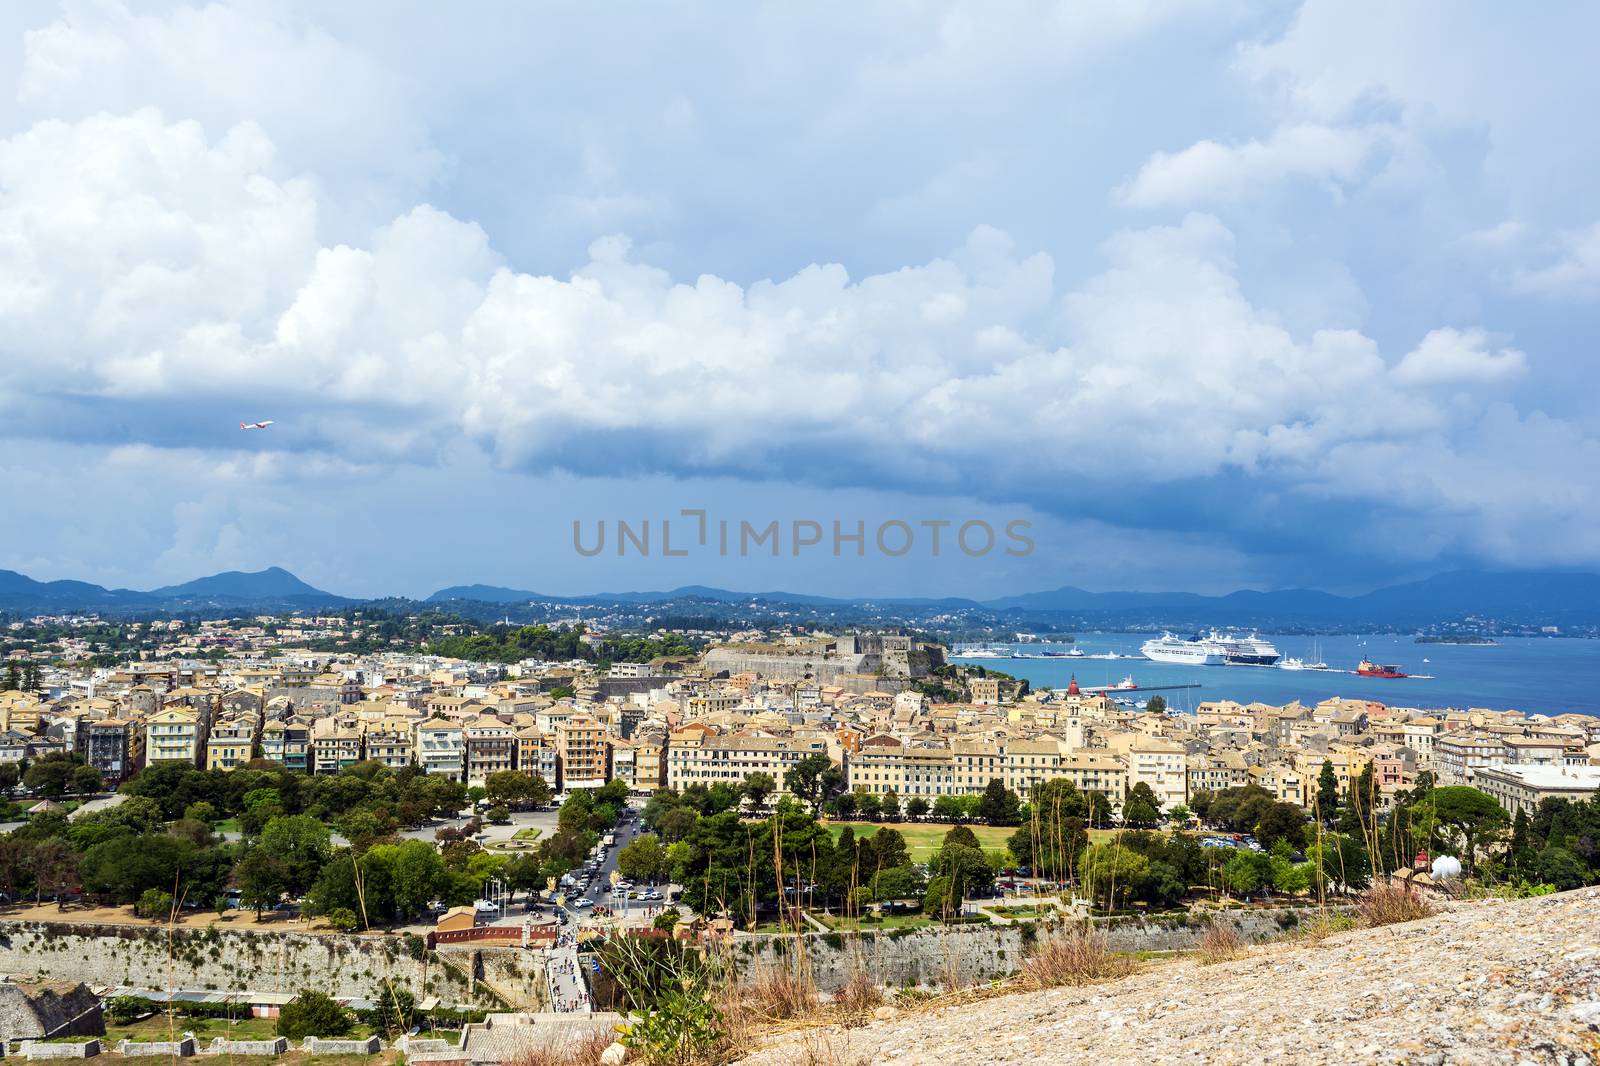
x: 583, y: 901
x: 483, y: 906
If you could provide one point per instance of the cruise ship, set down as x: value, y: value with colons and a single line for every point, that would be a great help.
x: 1213, y: 649
x: 1170, y: 649
x: 1247, y: 651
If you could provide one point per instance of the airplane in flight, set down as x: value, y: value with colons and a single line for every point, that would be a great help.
x: 255, y: 425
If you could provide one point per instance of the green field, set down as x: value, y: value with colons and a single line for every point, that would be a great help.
x: 923, y: 841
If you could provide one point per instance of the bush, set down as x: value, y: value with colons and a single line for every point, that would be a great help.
x: 1076, y: 957
x: 1391, y: 903
x: 155, y: 905
x: 312, y: 1013
x: 342, y: 919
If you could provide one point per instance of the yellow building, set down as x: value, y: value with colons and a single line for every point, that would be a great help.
x: 172, y: 734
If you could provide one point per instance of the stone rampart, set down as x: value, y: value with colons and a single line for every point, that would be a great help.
x: 230, y: 961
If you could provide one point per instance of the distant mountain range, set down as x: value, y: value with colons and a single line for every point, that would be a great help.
x: 271, y: 589
x: 1536, y: 597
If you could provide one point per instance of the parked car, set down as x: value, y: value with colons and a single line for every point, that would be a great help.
x: 583, y: 901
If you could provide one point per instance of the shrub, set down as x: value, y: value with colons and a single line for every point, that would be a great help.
x: 1075, y: 957
x: 312, y: 1013
x: 155, y: 905
x: 342, y: 919
x: 1391, y: 903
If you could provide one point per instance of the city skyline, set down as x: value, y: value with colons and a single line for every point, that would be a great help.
x: 1211, y: 297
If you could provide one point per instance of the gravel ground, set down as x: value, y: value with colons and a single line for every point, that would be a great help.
x: 1504, y: 982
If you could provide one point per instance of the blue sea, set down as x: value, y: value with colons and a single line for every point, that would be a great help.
x: 1536, y: 675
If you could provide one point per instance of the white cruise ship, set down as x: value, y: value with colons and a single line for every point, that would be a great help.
x: 1170, y: 649
x: 1246, y: 651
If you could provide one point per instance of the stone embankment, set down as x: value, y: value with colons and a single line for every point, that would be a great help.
x: 1504, y: 982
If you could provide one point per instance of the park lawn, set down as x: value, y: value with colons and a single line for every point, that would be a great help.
x: 530, y: 833
x: 229, y: 825
x: 158, y: 1028
x: 913, y: 920
x: 923, y: 840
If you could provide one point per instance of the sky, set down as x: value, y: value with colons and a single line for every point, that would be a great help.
x: 1204, y: 295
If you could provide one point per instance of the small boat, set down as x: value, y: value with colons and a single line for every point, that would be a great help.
x: 1368, y: 668
x: 1292, y: 664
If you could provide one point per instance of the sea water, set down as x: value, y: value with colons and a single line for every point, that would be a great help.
x: 1533, y: 674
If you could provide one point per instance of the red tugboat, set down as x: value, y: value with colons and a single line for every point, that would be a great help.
x: 1368, y: 668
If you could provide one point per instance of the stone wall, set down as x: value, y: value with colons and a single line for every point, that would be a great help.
x: 228, y: 960
x: 906, y: 958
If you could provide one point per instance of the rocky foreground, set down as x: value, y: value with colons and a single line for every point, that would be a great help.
x: 1502, y: 982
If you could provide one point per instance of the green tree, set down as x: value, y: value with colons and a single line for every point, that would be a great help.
x: 154, y: 904
x: 1247, y: 871
x: 1000, y: 805
x: 1142, y: 807
x: 1111, y: 873
x: 1341, y: 862
x: 962, y: 835
x: 642, y: 858
x: 1156, y: 704
x: 302, y: 844
x: 889, y: 805
x: 1560, y: 867
x: 805, y: 779
x: 916, y: 808
x: 516, y: 789
x: 1463, y: 817
x: 1282, y: 821
x: 1327, y: 793
x: 757, y: 787
x: 312, y: 1013
x: 262, y: 880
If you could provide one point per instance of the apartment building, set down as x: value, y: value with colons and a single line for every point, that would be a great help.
x: 491, y: 747
x: 441, y: 748
x: 1160, y: 764
x: 287, y: 743
x: 650, y: 760
x: 1216, y: 772
x: 114, y: 746
x: 582, y: 756
x: 231, y: 743
x: 1026, y: 762
x: 172, y: 734
x: 1457, y: 757
x: 698, y: 756
x: 536, y: 754
x: 335, y: 743
x: 388, y: 741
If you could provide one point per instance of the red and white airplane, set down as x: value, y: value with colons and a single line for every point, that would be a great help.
x: 255, y: 425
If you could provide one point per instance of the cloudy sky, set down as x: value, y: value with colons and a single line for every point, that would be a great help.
x: 1213, y: 295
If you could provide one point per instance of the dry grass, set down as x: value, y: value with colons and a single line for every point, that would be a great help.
x: 820, y: 1049
x: 1221, y: 943
x: 1322, y: 927
x: 859, y: 995
x: 952, y: 977
x: 778, y: 993
x: 1074, y: 957
x: 1392, y: 903
x: 583, y: 1051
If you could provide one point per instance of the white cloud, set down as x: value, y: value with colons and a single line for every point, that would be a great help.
x: 968, y: 370
x: 1575, y: 274
x: 1209, y: 172
x: 325, y: 103
x: 1453, y: 356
